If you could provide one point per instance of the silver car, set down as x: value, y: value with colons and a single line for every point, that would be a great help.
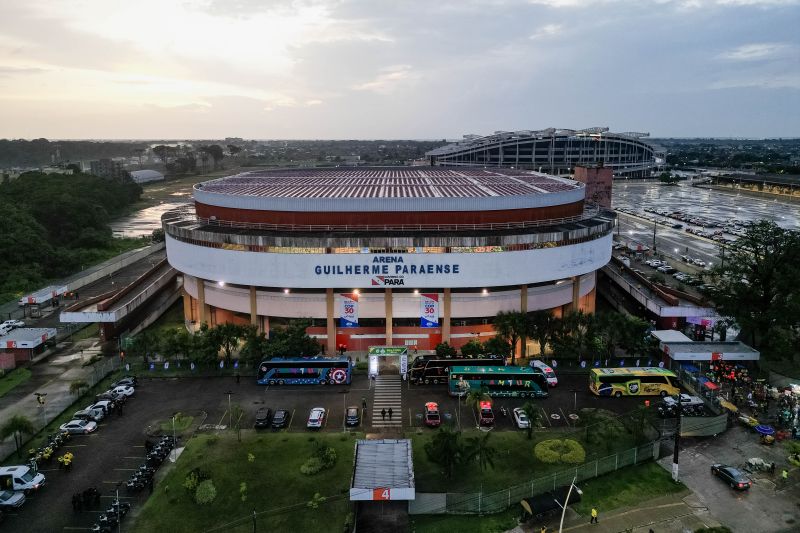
x: 79, y: 427
x: 10, y: 499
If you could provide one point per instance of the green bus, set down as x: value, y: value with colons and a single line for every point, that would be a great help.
x: 514, y: 381
x: 644, y: 381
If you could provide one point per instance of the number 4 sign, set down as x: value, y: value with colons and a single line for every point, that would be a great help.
x: 381, y: 494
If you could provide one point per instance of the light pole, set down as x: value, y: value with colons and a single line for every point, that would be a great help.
x: 119, y: 519
x: 173, y: 453
x: 230, y: 412
x: 566, y: 502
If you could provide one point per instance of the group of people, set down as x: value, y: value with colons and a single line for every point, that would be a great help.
x: 384, y: 411
x: 65, y: 461
x: 86, y: 499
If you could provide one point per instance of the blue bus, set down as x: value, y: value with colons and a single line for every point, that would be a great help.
x: 305, y: 371
x: 513, y: 381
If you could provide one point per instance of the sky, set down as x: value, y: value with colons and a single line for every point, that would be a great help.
x: 396, y: 69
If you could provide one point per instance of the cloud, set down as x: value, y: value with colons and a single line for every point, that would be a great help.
x: 548, y: 30
x: 755, y: 51
x: 6, y: 70
x: 389, y: 79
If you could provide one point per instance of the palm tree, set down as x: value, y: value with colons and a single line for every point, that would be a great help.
x: 534, y: 415
x: 478, y: 448
x: 77, y: 386
x: 512, y: 325
x: 474, y: 398
x: 446, y: 450
x: 541, y: 326
x: 17, y: 426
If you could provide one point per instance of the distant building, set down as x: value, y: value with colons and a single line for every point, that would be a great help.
x: 598, y: 180
x: 107, y: 168
x: 146, y: 176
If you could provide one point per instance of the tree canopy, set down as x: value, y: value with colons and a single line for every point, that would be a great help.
x: 757, y: 286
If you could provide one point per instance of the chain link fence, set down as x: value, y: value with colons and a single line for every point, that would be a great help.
x: 495, y: 502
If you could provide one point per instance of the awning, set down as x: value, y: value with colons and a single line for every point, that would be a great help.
x: 710, y: 385
x: 690, y: 368
x: 729, y: 406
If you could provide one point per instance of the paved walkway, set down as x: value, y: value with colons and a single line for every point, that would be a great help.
x: 388, y: 395
x: 52, y: 377
x: 667, y: 514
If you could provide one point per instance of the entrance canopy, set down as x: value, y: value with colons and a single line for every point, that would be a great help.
x: 387, y: 350
x: 383, y: 471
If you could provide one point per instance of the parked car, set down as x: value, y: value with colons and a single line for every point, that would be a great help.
x: 548, y: 372
x: 123, y: 390
x: 129, y: 381
x: 352, y: 418
x: 263, y: 418
x: 316, y: 418
x: 78, y: 427
x: 108, y: 396
x: 5, y: 329
x: 20, y: 477
x: 280, y: 419
x: 432, y: 417
x: 521, y: 419
x: 10, y: 499
x: 95, y: 415
x: 14, y: 323
x: 106, y: 405
x: 485, y: 414
x: 730, y: 475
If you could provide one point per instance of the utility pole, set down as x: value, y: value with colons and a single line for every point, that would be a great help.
x: 677, y: 442
x: 230, y: 413
x: 654, y: 235
x: 566, y: 502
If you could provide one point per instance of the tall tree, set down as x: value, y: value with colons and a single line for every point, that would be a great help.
x: 17, y: 426
x: 255, y: 347
x: 479, y: 449
x: 757, y: 285
x: 497, y: 345
x: 446, y: 450
x: 541, y: 325
x: 534, y: 415
x: 227, y: 337
x: 512, y: 325
x: 472, y: 348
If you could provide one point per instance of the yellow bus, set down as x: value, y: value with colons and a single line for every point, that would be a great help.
x: 645, y: 381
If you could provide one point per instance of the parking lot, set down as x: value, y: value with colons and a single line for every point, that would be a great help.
x: 105, y: 459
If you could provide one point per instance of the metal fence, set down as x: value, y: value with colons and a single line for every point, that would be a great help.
x: 495, y: 502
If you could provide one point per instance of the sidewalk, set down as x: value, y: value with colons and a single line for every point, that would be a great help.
x: 53, y: 377
x: 667, y: 514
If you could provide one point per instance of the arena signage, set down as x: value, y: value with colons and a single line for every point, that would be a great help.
x: 388, y: 270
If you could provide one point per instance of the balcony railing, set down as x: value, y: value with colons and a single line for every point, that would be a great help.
x: 186, y: 215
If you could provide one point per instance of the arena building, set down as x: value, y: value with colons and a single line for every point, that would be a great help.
x: 386, y: 256
x: 556, y: 151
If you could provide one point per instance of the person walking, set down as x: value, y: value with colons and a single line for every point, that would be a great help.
x: 390, y: 413
x: 383, y: 413
x: 543, y: 530
x: 363, y: 402
x: 150, y: 485
x: 594, y: 516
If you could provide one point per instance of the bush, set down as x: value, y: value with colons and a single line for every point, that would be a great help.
x: 313, y: 465
x: 206, y: 492
x: 194, y: 478
x: 560, y: 451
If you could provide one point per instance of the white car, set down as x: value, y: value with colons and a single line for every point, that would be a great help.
x: 5, y: 329
x: 123, y: 390
x: 95, y: 415
x: 104, y: 405
x: 521, y: 419
x: 316, y: 418
x: 549, y: 373
x: 78, y: 427
x: 13, y: 324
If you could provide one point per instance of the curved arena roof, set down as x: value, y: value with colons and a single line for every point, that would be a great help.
x: 388, y: 189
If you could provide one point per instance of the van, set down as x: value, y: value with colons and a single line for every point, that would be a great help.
x: 549, y: 373
x: 20, y: 477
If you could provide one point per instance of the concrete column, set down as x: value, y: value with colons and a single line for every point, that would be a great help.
x: 523, y: 298
x: 387, y: 300
x: 187, y: 305
x: 331, y: 326
x: 202, y: 307
x: 253, y: 307
x: 446, y: 317
x: 576, y: 292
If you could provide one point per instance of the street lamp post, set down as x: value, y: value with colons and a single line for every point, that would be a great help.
x: 230, y: 412
x: 566, y: 502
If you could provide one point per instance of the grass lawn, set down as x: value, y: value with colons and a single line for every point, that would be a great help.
x: 182, y: 423
x: 495, y: 523
x: 171, y: 319
x: 514, y: 461
x: 275, y: 487
x: 10, y: 380
x: 626, y: 487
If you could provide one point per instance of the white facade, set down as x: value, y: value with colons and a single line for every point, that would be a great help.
x: 465, y: 270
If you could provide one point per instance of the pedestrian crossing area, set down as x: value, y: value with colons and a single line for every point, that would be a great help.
x: 388, y: 394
